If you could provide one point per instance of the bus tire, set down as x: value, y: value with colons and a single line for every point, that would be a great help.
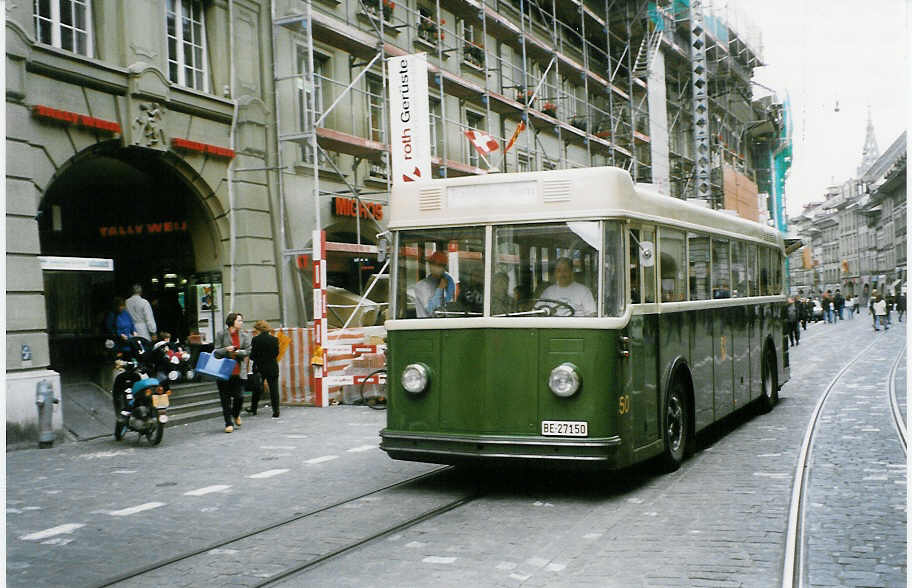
x: 676, y: 426
x: 769, y: 388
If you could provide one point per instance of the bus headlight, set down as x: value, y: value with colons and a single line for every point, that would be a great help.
x: 415, y: 378
x: 564, y: 380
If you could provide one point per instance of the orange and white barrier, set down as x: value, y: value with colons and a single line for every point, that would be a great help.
x: 351, y: 354
x: 295, y: 377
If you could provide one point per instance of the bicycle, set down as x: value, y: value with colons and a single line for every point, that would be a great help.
x: 377, y: 400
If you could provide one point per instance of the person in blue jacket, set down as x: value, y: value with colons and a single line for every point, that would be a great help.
x: 119, y: 323
x: 436, y: 290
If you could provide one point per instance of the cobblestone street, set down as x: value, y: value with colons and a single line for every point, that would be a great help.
x: 83, y: 512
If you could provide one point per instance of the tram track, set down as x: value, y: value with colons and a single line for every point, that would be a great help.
x: 895, y: 411
x: 381, y: 501
x: 793, y: 568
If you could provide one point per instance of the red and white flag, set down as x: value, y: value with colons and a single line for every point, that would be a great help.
x: 519, y: 128
x: 483, y: 142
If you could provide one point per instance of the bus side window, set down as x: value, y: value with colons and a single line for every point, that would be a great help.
x: 671, y: 265
x: 764, y: 265
x: 753, y: 270
x: 635, y: 297
x: 615, y: 291
x: 699, y: 266
x: 721, y: 282
x: 739, y: 269
x: 648, y: 262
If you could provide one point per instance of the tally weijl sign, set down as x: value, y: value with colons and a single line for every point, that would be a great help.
x: 410, y: 130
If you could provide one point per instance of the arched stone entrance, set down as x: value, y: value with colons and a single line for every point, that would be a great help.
x: 144, y: 210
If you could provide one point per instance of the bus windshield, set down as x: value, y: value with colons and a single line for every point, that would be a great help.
x: 537, y: 270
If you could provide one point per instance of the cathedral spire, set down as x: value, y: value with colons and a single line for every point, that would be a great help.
x: 870, y: 152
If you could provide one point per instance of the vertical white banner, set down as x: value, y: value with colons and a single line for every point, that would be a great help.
x: 410, y: 129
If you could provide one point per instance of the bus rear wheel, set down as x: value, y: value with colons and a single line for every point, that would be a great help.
x: 769, y: 390
x: 676, y: 427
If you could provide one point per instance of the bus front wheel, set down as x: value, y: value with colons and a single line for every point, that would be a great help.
x: 677, y: 427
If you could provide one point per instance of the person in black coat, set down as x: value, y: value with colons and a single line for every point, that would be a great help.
x: 264, y: 354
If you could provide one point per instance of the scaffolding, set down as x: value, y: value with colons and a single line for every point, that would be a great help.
x: 576, y: 73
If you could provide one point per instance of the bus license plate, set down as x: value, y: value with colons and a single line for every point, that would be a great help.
x: 565, y: 428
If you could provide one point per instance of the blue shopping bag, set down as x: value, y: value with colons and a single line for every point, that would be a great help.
x: 209, y: 365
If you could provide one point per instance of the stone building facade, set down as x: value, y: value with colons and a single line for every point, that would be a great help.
x: 856, y: 238
x: 130, y: 127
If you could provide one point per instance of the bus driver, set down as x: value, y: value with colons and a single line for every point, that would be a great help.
x: 436, y: 290
x: 568, y: 292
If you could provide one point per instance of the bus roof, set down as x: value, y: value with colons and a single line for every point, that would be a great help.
x: 569, y: 194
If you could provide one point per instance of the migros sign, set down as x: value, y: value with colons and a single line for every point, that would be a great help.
x: 349, y: 207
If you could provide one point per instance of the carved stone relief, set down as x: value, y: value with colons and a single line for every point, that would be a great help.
x: 148, y: 129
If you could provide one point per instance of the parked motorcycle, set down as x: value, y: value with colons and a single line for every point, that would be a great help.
x: 140, y: 402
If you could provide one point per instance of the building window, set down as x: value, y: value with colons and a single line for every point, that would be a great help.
x: 474, y: 122
x: 319, y: 65
x: 187, y: 43
x: 436, y: 128
x: 523, y: 162
x: 64, y: 24
x: 375, y: 108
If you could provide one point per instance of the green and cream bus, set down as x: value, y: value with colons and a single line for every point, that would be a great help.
x: 571, y: 315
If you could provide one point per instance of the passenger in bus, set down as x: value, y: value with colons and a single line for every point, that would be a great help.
x: 436, y: 290
x: 471, y: 291
x: 501, y: 301
x: 568, y: 292
x: 723, y: 292
x: 522, y: 301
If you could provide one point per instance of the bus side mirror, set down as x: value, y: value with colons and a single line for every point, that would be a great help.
x: 647, y: 253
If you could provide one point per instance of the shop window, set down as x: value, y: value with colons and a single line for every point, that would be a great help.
x: 671, y: 266
x: 65, y: 24
x: 186, y: 24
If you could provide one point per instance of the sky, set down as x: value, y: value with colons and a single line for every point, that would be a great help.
x: 823, y: 52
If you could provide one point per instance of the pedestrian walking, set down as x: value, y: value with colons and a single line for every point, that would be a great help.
x: 901, y: 305
x: 264, y: 353
x: 827, y: 303
x: 141, y: 312
x: 791, y: 322
x: 890, y: 303
x: 880, y: 312
x: 850, y: 306
x: 233, y: 343
x: 838, y: 304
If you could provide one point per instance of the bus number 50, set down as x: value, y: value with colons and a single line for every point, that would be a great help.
x: 624, y: 404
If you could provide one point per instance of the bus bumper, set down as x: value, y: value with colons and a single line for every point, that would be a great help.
x: 449, y: 449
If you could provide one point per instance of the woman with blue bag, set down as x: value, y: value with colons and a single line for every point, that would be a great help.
x: 233, y: 343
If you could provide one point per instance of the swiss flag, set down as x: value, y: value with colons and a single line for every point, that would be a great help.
x: 482, y: 142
